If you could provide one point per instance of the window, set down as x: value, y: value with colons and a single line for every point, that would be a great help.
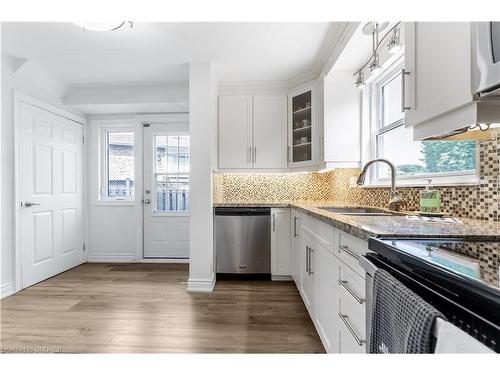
x: 172, y: 173
x: 118, y: 180
x: 413, y: 159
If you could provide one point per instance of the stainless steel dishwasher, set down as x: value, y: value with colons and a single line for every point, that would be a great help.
x: 243, y: 240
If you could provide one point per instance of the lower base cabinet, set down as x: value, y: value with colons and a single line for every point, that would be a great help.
x: 306, y: 271
x: 332, y: 289
x: 325, y: 267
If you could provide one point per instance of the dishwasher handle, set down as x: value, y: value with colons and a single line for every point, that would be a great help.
x: 242, y: 211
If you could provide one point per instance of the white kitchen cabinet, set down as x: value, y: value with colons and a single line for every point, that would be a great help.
x: 235, y: 132
x: 331, y: 283
x: 342, y: 121
x: 306, y: 271
x: 280, y: 242
x: 269, y: 131
x: 438, y: 67
x: 252, y: 132
x: 325, y: 289
x: 295, y: 245
x: 305, y: 125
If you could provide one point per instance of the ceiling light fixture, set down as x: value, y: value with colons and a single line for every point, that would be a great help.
x: 360, y: 81
x: 373, y: 63
x: 394, y: 44
x: 103, y: 26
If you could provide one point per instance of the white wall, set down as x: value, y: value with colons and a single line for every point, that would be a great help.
x: 203, y: 131
x: 33, y: 80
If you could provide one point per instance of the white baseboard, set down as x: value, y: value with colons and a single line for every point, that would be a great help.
x: 164, y: 260
x: 201, y: 285
x: 111, y: 258
x: 281, y: 278
x: 7, y: 289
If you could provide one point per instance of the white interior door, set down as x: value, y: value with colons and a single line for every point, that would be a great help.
x: 166, y: 191
x: 51, y: 192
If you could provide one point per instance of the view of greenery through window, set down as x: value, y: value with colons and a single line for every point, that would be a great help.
x: 441, y: 157
x: 413, y: 158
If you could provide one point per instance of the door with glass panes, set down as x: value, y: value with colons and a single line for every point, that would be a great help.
x: 166, y: 191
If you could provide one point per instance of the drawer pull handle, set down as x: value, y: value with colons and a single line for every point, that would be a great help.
x: 346, y: 249
x: 353, y: 333
x: 346, y: 286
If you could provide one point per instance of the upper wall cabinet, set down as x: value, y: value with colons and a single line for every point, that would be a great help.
x: 252, y: 132
x: 235, y: 132
x: 305, y: 125
x: 440, y: 77
x: 438, y: 67
x: 342, y: 121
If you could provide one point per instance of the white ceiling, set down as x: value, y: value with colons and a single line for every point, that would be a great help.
x: 159, y: 52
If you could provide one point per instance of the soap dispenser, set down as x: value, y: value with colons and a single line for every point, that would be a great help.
x: 430, y: 200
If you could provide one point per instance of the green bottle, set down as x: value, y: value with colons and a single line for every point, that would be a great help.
x: 430, y: 200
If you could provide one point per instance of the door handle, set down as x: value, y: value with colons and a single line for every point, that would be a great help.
x: 404, y: 73
x: 255, y: 154
x: 274, y: 222
x: 249, y: 156
x: 295, y: 226
x: 307, y: 259
x: 310, y: 266
x: 29, y: 204
x: 147, y: 201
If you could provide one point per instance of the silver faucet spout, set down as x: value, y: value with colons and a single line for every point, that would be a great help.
x: 395, y: 201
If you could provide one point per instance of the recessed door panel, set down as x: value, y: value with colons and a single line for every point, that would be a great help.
x: 42, y: 169
x: 69, y: 171
x: 43, y: 236
x: 69, y: 230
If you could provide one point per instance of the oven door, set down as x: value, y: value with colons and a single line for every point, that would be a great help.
x: 488, y: 58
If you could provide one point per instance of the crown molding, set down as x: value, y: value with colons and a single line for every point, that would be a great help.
x: 252, y: 87
x: 337, y: 36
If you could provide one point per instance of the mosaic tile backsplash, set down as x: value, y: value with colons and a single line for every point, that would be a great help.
x: 475, y: 202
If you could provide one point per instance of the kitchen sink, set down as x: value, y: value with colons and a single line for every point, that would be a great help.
x: 357, y: 211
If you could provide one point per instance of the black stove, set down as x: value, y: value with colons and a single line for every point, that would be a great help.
x: 461, y: 278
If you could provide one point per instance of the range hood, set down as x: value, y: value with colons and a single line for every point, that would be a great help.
x: 474, y: 121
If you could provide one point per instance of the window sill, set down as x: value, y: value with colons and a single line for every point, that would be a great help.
x: 437, y: 182
x: 118, y: 203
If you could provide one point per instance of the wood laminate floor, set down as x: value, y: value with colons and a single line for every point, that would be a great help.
x: 145, y: 308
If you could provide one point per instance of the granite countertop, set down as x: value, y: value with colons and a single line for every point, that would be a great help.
x: 401, y: 225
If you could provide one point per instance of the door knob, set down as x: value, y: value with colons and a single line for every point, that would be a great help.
x: 147, y: 201
x: 29, y: 204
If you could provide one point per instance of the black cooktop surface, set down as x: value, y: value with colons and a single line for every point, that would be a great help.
x: 478, y: 261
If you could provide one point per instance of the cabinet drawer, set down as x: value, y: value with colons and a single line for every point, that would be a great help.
x: 349, y: 249
x: 351, y: 320
x: 322, y: 232
x: 351, y: 286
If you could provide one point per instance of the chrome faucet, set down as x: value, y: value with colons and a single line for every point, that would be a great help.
x: 395, y: 201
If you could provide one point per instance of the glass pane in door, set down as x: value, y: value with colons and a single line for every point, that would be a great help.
x: 302, y: 127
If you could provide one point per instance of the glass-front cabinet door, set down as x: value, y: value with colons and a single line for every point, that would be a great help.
x: 301, y: 128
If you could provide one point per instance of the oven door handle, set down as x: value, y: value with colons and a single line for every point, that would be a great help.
x: 368, y: 266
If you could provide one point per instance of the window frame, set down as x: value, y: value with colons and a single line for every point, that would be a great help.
x: 154, y: 173
x: 103, y: 186
x: 377, y: 128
